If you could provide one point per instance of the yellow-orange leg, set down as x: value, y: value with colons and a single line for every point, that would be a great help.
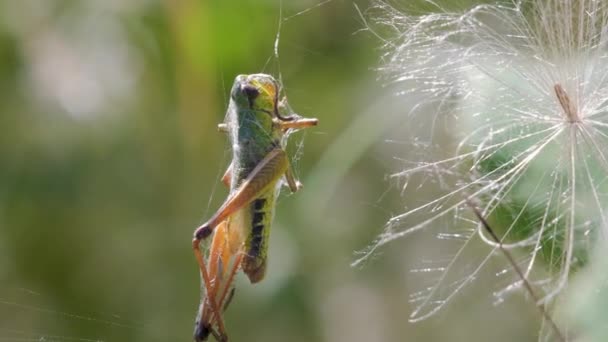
x: 222, y: 250
x: 210, y: 290
x: 294, y: 184
x: 235, y: 268
x: 199, y: 334
x: 265, y: 175
x: 297, y: 124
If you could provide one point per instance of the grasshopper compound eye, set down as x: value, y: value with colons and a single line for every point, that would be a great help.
x: 251, y: 92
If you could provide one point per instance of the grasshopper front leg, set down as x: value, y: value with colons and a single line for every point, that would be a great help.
x: 293, y: 184
x: 298, y: 123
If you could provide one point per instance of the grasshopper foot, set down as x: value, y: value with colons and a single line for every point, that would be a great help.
x: 201, y: 332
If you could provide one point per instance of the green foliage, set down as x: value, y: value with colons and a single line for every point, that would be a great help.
x: 110, y: 157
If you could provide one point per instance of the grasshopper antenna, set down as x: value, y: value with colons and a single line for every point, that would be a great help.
x: 541, y: 307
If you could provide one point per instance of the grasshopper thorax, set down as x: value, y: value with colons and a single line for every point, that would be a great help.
x: 252, y: 120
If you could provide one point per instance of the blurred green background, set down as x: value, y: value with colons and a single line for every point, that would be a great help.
x: 110, y: 157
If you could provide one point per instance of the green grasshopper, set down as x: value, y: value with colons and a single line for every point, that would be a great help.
x: 258, y: 128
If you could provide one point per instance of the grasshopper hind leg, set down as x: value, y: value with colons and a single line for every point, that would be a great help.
x: 222, y: 263
x: 261, y: 179
x: 203, y: 328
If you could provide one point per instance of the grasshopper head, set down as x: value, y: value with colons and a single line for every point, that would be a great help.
x: 258, y: 93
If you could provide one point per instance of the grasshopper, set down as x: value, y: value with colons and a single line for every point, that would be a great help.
x: 258, y: 126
